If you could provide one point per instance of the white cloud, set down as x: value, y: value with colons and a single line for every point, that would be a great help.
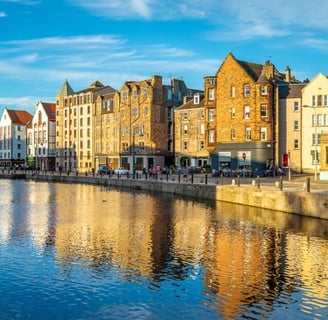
x: 24, y: 2
x: 2, y: 14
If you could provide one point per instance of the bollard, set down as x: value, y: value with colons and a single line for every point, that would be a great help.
x: 205, y: 178
x: 192, y: 177
x: 280, y: 183
x: 221, y: 176
x: 146, y: 176
x: 179, y: 177
x: 238, y: 180
x: 258, y: 182
x: 167, y: 176
x: 308, y: 185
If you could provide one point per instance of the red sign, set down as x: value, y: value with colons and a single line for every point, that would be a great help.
x: 285, y: 160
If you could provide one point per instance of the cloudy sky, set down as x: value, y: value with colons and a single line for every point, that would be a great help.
x: 45, y: 42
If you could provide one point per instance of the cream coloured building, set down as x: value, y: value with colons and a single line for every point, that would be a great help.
x: 314, y: 121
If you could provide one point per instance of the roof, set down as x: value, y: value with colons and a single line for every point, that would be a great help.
x: 191, y: 105
x: 66, y: 90
x: 50, y: 109
x: 291, y: 90
x: 19, y: 117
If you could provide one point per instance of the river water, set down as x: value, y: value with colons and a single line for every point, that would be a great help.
x: 88, y: 252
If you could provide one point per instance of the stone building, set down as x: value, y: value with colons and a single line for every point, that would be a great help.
x: 75, y: 126
x: 246, y: 101
x: 190, y: 133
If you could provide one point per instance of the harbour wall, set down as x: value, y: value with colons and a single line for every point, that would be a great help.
x: 301, y: 202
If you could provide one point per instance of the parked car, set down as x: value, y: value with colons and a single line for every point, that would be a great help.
x: 103, y: 170
x: 121, y: 170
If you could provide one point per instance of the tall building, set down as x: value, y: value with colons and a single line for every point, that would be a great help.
x: 289, y: 142
x: 245, y: 126
x: 75, y: 126
x: 190, y: 133
x: 314, y: 122
x: 13, y: 137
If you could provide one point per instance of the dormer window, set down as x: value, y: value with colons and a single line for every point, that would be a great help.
x: 196, y: 98
x: 264, y: 90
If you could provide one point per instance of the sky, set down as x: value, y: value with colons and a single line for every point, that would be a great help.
x: 45, y: 42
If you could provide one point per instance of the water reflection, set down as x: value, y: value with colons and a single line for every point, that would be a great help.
x: 211, y: 258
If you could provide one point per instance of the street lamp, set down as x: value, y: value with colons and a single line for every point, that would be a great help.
x: 134, y: 152
x: 315, y: 141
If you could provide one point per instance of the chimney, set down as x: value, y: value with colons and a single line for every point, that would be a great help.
x: 288, y: 74
x: 268, y: 69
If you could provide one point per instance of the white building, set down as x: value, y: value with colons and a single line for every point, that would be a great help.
x: 13, y: 137
x: 314, y: 121
x: 41, y: 137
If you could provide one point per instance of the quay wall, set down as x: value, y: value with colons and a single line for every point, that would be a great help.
x: 301, y: 202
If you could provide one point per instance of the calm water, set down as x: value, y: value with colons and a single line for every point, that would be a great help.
x: 86, y: 252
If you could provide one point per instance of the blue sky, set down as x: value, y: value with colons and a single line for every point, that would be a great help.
x: 45, y: 42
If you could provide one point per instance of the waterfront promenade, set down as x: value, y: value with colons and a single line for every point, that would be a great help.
x: 301, y: 195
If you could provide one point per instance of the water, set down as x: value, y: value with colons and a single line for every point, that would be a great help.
x: 88, y: 252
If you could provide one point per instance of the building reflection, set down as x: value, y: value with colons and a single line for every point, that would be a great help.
x: 247, y: 256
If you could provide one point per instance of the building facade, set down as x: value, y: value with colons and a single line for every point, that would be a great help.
x: 41, y: 138
x: 190, y: 133
x: 289, y: 115
x: 13, y: 138
x: 244, y: 117
x: 314, y: 121
x: 75, y: 127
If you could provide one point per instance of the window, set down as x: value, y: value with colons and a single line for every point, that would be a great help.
x: 211, y: 136
x: 185, y: 129
x: 196, y: 98
x: 233, y: 134
x: 296, y: 106
x: 212, y: 81
x: 169, y: 94
x: 264, y: 90
x: 314, y: 142
x: 135, y: 112
x: 313, y: 100
x: 211, y: 94
x: 264, y: 111
x: 263, y: 133
x: 296, y: 125
x: 134, y: 94
x: 185, y: 145
x: 248, y: 134
x: 201, y: 145
x: 211, y: 115
x: 233, y: 91
x: 146, y: 110
x: 315, y: 156
x: 246, y: 112
x: 124, y: 96
x: 185, y: 116
x: 246, y: 90
x: 296, y: 144
x: 325, y: 100
x: 233, y: 112
x: 201, y: 115
x: 320, y: 119
x: 144, y: 92
x: 319, y: 100
x: 202, y: 128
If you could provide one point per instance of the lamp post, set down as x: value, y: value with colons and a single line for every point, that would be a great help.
x: 134, y: 153
x: 315, y: 141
